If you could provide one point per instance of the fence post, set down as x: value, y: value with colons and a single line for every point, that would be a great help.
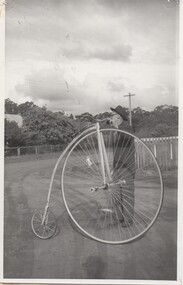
x: 136, y: 154
x: 36, y: 149
x: 171, y: 151
x: 138, y: 164
x: 18, y: 151
x: 155, y: 151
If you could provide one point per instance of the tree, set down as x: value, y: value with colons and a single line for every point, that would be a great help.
x: 86, y: 117
x: 148, y: 123
x: 142, y: 121
x: 13, y: 134
x: 166, y: 114
x: 43, y: 126
x: 24, y: 107
x: 10, y: 107
x: 164, y: 130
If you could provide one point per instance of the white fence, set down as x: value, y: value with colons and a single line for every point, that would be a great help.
x: 165, y: 149
x: 38, y: 149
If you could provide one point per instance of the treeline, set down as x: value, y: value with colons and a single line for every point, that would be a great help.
x: 42, y: 126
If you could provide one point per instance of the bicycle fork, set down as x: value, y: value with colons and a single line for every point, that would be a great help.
x: 104, y: 162
x: 103, y: 156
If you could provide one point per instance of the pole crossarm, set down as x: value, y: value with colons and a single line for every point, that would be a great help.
x: 130, y: 108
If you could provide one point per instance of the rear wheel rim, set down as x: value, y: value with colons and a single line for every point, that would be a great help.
x: 45, y: 230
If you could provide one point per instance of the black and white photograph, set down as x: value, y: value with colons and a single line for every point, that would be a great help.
x: 91, y: 141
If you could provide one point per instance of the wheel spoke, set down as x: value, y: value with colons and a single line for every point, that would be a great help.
x: 45, y: 230
x: 134, y: 197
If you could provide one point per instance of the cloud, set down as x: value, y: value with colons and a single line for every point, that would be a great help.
x: 116, y: 86
x: 46, y: 84
x: 59, y: 91
x: 150, y: 98
x: 75, y: 54
x: 103, y: 29
x: 62, y: 92
x: 33, y: 32
x: 116, y: 53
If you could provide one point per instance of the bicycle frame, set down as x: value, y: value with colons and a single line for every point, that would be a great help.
x: 103, y: 162
x: 57, y: 164
x: 44, y: 223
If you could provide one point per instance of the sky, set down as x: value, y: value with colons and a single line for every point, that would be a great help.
x: 85, y: 55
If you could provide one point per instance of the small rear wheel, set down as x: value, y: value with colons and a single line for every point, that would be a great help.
x: 43, y: 229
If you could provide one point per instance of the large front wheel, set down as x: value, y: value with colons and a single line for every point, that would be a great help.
x: 125, y: 207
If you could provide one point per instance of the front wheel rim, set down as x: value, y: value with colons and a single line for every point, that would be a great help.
x: 143, y: 218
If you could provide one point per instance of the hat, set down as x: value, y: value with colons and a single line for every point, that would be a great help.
x: 121, y: 111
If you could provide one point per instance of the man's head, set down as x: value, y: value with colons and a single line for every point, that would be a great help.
x: 118, y: 116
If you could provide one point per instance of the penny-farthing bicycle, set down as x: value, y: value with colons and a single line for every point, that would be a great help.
x: 108, y: 204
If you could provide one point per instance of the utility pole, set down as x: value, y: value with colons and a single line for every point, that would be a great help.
x: 130, y: 106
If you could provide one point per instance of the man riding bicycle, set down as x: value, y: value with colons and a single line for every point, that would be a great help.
x: 123, y: 166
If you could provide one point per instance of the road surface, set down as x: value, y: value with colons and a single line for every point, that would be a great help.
x: 69, y: 254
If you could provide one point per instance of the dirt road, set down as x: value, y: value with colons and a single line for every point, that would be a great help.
x: 69, y: 254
